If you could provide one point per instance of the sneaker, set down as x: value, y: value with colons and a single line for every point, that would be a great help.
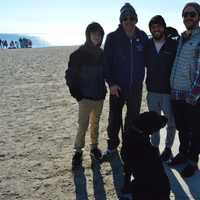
x: 166, y: 155
x: 189, y: 170
x: 109, y: 153
x: 96, y: 153
x: 77, y: 160
x: 178, y: 159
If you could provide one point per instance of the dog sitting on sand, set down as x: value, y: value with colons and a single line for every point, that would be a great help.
x: 144, y: 174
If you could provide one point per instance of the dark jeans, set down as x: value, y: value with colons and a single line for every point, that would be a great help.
x: 187, y: 119
x: 115, y: 121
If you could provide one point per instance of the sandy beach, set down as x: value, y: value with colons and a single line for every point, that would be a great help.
x: 38, y: 122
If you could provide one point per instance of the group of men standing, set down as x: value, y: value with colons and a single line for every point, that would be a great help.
x: 172, y: 81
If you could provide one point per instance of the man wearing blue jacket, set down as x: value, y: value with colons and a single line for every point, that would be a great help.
x: 124, y: 73
x: 185, y: 93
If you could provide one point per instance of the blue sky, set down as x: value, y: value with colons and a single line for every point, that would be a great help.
x: 64, y: 21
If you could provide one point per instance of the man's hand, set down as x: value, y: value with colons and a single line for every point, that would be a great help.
x: 115, y: 90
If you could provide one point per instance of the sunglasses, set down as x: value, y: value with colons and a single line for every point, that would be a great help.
x: 191, y: 14
x: 128, y: 18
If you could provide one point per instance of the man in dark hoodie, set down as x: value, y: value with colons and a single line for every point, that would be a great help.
x: 160, y: 54
x: 124, y: 72
x: 85, y: 80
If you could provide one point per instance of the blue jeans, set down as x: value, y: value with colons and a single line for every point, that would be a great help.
x: 162, y: 103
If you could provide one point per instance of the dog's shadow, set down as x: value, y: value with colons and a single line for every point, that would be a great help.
x: 187, y: 188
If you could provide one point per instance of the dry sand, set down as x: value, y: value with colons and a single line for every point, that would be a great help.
x: 37, y: 130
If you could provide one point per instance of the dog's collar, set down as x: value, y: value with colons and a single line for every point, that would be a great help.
x: 134, y: 128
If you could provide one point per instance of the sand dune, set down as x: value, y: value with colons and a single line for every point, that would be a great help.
x: 37, y: 129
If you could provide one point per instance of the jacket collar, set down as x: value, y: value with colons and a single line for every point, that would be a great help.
x: 186, y: 35
x: 136, y: 34
x: 196, y: 31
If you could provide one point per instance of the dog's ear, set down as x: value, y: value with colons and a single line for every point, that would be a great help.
x: 150, y: 122
x: 142, y: 121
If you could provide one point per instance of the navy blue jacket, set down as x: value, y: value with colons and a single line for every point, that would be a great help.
x: 124, y: 62
x: 159, y: 65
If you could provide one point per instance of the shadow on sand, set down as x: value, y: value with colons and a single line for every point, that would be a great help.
x: 182, y: 189
x: 187, y: 188
x: 80, y: 182
x: 194, y: 185
x: 117, y: 170
x: 98, y: 184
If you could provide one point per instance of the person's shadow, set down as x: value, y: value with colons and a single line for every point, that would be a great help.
x: 178, y: 184
x: 117, y: 170
x: 194, y: 185
x: 80, y: 184
x: 98, y: 184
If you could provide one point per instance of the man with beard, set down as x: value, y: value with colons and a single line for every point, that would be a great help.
x: 160, y: 54
x: 185, y: 84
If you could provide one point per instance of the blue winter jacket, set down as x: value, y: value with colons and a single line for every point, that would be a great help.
x: 124, y: 62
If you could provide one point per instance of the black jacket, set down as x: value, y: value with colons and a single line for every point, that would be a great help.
x: 159, y: 65
x: 124, y: 59
x: 84, y: 75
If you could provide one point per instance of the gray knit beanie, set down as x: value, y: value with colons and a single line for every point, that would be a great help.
x: 195, y: 5
x: 127, y: 10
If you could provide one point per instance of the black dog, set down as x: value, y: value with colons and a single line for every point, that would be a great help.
x: 141, y: 160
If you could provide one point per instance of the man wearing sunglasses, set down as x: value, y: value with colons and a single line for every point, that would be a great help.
x: 124, y: 73
x: 185, y: 84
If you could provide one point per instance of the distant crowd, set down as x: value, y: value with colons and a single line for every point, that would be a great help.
x: 21, y: 43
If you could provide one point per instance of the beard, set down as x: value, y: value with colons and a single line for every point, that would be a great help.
x: 191, y: 24
x: 158, y: 36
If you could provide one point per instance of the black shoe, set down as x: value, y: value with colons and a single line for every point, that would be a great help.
x: 166, y: 154
x: 96, y: 153
x: 77, y: 160
x: 189, y: 170
x: 178, y: 159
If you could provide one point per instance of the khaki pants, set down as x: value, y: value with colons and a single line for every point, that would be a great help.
x: 89, y: 112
